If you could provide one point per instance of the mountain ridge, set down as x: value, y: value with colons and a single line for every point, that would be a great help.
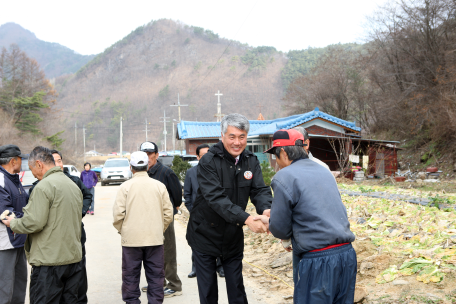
x: 54, y: 58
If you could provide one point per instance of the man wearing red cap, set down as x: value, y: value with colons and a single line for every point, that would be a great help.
x: 308, y: 209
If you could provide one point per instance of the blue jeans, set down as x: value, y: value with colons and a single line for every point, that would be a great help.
x: 92, y: 206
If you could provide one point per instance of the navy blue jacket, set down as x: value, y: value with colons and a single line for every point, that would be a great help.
x: 190, y: 187
x: 307, y: 208
x: 12, y: 197
x: 169, y: 178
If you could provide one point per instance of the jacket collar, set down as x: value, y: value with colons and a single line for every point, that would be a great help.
x: 12, y: 177
x: 52, y: 171
x: 219, y: 149
x: 142, y: 173
x: 155, y: 167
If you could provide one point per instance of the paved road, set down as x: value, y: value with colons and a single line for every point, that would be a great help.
x: 104, y: 258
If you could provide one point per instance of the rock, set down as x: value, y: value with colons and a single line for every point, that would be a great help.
x: 360, y: 293
x: 289, y: 297
x: 431, y: 180
x: 256, y: 275
x: 360, y: 221
x: 400, y: 282
x: 421, y: 175
x: 365, y: 266
x: 282, y: 261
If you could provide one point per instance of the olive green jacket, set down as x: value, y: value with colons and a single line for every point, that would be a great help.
x: 52, y: 221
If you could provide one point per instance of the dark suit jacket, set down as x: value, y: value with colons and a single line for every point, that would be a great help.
x: 190, y: 187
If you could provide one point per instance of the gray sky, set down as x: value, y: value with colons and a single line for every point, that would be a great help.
x: 88, y: 27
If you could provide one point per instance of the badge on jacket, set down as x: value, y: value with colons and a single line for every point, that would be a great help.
x: 248, y: 174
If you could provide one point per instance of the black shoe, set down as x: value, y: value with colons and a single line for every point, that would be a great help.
x: 192, y: 274
x: 221, y: 273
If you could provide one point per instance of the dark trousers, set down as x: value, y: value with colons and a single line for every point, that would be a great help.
x: 55, y: 284
x: 13, y: 276
x: 92, y: 205
x: 152, y: 259
x: 219, y: 264
x: 326, y: 277
x: 83, y: 285
x: 206, y: 276
x: 171, y: 276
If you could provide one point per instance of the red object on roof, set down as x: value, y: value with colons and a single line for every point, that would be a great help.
x: 260, y: 117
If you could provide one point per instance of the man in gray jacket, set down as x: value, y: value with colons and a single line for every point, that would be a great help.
x: 308, y: 209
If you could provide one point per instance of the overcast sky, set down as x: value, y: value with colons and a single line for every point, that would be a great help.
x: 89, y: 27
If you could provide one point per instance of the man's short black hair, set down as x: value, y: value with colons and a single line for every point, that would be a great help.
x: 88, y: 164
x: 203, y: 146
x: 140, y: 168
x: 293, y: 152
x: 57, y: 152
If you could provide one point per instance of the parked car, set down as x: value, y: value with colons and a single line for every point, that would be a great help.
x: 26, y: 176
x: 97, y: 170
x: 188, y: 158
x: 71, y: 170
x: 193, y: 163
x: 166, y: 160
x: 115, y: 170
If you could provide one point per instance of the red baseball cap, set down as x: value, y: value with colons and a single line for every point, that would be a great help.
x: 283, y: 138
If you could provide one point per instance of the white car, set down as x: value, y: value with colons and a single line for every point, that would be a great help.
x: 115, y: 170
x: 26, y: 176
x: 72, y: 170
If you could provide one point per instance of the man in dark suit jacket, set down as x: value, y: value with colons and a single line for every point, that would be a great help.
x: 190, y: 189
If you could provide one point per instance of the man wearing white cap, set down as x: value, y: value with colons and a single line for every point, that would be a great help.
x: 142, y: 212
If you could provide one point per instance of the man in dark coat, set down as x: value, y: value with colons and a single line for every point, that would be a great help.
x: 190, y: 190
x: 13, y: 274
x: 228, y: 175
x: 87, y: 200
x: 173, y: 285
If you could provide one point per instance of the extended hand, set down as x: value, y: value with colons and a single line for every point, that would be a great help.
x: 287, y: 245
x: 267, y: 212
x: 264, y: 219
x: 7, y: 221
x: 256, y: 225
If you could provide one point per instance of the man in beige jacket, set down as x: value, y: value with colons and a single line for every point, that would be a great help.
x: 142, y: 212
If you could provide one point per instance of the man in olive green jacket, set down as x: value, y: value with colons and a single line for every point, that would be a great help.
x: 52, y: 222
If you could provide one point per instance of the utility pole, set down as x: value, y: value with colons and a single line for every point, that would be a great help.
x: 174, y: 142
x: 179, y: 111
x: 146, y: 129
x: 121, y: 135
x: 84, y: 136
x: 219, y: 107
x: 179, y: 106
x: 164, y: 126
x: 75, y: 137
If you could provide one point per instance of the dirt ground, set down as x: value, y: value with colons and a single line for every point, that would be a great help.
x: 389, y: 234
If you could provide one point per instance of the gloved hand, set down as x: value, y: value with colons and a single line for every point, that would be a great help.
x: 7, y: 213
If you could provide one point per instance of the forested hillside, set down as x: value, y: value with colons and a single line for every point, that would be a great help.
x: 400, y: 85
x: 54, y: 59
x: 140, y: 76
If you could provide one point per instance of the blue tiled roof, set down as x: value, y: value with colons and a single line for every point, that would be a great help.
x: 196, y: 129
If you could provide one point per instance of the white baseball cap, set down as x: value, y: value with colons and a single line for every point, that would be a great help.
x: 139, y: 159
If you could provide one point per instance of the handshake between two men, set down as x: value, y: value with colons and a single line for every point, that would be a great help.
x: 260, y: 224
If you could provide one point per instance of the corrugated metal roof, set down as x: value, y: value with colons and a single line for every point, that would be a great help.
x: 196, y: 129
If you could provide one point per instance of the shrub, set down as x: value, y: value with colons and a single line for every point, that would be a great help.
x: 180, y: 167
